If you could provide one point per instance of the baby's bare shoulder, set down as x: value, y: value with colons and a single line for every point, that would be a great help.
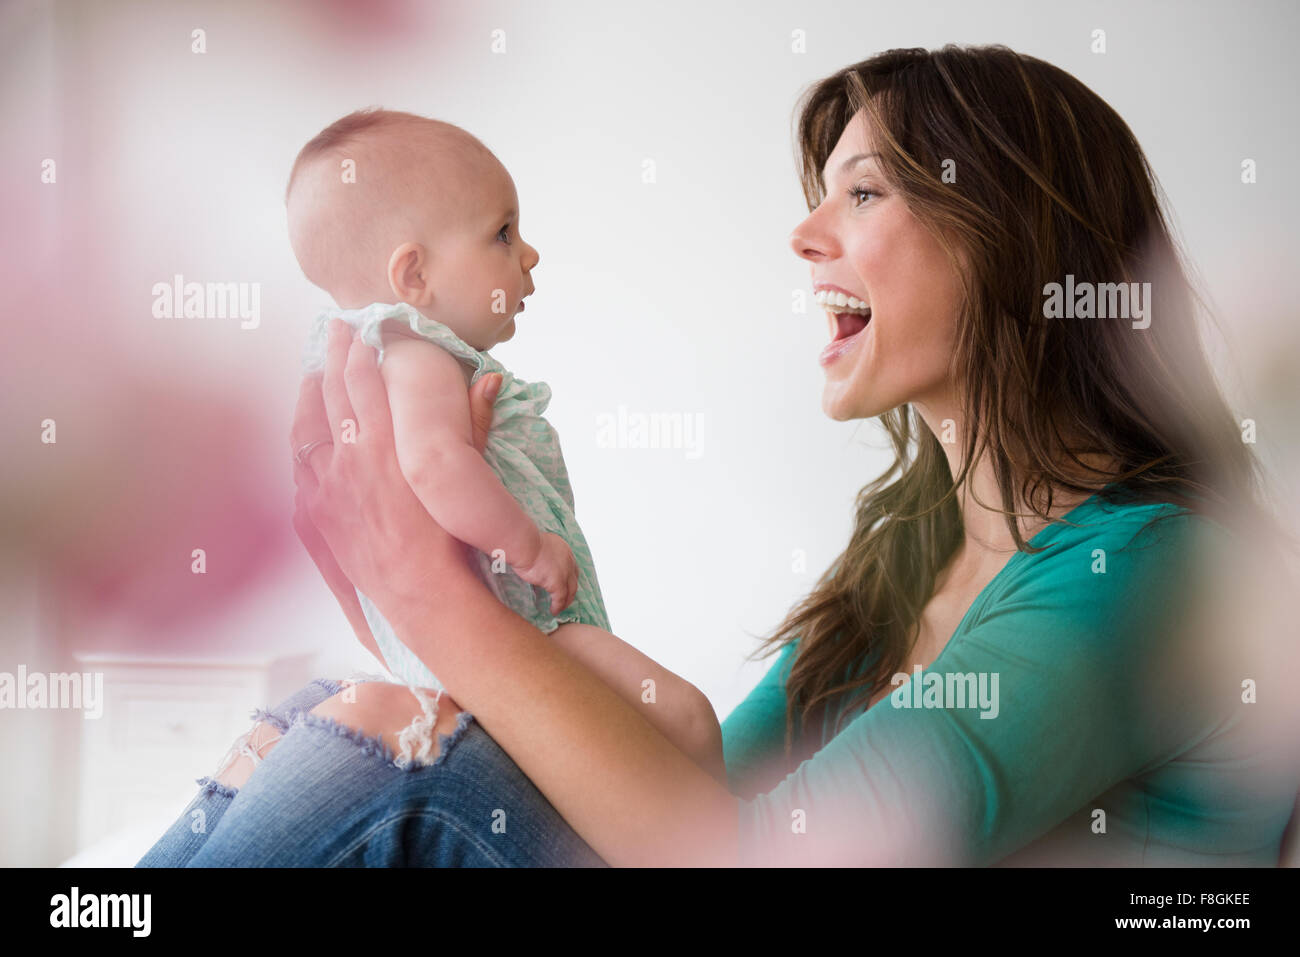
x: 406, y: 353
x: 395, y: 329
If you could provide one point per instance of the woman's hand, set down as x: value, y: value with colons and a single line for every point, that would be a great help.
x: 309, y: 421
x: 352, y: 498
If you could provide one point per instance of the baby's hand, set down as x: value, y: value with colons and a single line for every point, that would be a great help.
x: 554, y: 569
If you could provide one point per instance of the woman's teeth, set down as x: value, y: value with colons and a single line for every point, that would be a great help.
x: 839, y: 301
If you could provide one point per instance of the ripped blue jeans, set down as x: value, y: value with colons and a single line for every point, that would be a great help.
x: 330, y: 796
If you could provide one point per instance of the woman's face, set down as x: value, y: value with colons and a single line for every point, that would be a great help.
x: 863, y: 241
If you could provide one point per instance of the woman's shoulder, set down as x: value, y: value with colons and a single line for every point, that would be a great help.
x: 1117, y: 520
x: 1115, y: 565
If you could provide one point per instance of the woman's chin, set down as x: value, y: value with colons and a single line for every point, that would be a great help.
x: 842, y: 404
x: 838, y: 403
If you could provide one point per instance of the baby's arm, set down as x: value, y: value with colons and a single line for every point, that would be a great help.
x: 431, y: 429
x: 679, y: 711
x: 433, y: 435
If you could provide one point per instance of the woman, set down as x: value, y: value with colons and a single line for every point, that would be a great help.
x: 973, y: 681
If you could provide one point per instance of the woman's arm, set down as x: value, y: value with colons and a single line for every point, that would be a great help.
x: 753, y: 735
x: 633, y: 796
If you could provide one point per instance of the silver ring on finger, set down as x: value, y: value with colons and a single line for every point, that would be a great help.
x: 301, y: 455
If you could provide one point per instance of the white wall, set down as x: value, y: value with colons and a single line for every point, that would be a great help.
x: 665, y: 297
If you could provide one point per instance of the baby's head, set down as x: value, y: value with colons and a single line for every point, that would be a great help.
x: 392, y: 207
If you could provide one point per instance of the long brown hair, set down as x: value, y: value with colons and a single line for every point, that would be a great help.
x: 1044, y: 179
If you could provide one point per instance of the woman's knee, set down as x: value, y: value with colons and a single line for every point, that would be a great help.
x: 410, y: 721
x: 251, y: 748
x: 248, y: 751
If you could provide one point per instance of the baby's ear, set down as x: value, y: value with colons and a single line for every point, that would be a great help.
x: 408, y: 272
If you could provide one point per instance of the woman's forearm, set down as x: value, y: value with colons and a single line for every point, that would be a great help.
x: 624, y: 788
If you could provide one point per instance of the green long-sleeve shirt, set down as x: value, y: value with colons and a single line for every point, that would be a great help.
x: 1111, y: 735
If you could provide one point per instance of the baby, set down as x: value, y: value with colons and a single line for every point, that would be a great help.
x: 412, y: 226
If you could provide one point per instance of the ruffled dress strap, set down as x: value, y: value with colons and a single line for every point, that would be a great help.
x: 368, y: 321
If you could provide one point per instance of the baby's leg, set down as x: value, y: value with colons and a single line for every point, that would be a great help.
x: 674, y: 706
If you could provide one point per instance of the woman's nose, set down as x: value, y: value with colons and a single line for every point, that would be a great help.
x: 808, y: 242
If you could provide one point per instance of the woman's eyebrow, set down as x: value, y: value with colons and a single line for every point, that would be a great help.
x: 852, y: 161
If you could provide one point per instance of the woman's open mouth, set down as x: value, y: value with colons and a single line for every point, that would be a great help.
x: 848, y: 324
x: 848, y: 329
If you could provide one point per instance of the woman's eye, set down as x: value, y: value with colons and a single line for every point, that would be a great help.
x: 856, y: 191
x: 504, y: 234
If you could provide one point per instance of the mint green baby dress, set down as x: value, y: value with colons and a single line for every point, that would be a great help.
x: 522, y: 449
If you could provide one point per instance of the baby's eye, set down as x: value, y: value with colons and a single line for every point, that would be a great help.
x: 504, y: 234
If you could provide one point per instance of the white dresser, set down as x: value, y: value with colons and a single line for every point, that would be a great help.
x: 166, y: 722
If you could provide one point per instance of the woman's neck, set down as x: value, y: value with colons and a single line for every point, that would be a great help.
x: 987, y: 537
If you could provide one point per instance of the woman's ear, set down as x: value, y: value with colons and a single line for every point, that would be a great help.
x: 409, y: 275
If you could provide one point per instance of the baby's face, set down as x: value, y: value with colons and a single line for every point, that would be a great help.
x: 480, y: 265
